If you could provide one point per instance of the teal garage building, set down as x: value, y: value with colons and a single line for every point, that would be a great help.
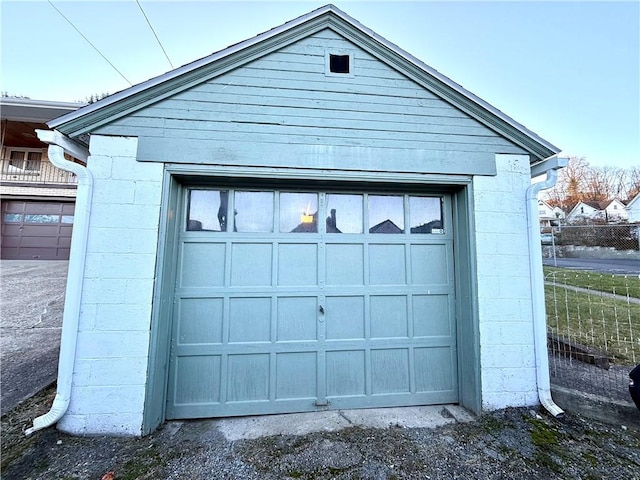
x: 310, y: 219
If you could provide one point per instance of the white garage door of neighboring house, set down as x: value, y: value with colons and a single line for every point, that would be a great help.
x: 290, y: 301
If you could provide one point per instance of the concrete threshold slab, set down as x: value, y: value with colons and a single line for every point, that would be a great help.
x: 244, y: 428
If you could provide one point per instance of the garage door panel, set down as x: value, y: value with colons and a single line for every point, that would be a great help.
x: 387, y: 265
x: 297, y: 318
x: 43, y: 208
x: 429, y: 265
x: 289, y: 383
x: 251, y: 264
x: 345, y: 317
x: 249, y: 319
x: 390, y: 371
x: 197, y: 380
x: 202, y: 265
x: 297, y: 264
x: 344, y: 264
x: 345, y: 372
x: 434, y: 371
x: 428, y: 310
x: 200, y: 320
x: 248, y: 377
x: 389, y: 316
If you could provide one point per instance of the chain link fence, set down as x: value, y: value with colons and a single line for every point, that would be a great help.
x: 598, y: 241
x: 593, y: 318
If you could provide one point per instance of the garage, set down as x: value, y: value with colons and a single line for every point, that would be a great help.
x: 276, y: 311
x: 36, y: 230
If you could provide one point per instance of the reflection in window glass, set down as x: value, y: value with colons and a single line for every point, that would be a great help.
x: 344, y: 213
x: 386, y: 214
x: 208, y: 210
x: 67, y: 219
x: 41, y: 218
x: 12, y: 217
x: 299, y: 212
x: 426, y: 214
x: 253, y: 211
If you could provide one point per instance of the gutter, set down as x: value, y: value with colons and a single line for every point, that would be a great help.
x: 550, y: 166
x: 58, y: 145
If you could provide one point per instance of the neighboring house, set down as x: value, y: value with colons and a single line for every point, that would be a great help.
x: 549, y: 216
x: 608, y: 211
x: 210, y: 288
x: 633, y: 209
x: 38, y: 199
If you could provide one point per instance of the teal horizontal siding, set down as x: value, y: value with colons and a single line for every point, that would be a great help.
x: 286, y: 99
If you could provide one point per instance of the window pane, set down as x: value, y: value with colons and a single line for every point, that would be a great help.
x: 12, y: 217
x: 16, y: 155
x: 253, y: 211
x: 208, y: 210
x: 34, y: 156
x: 299, y: 212
x: 67, y: 219
x: 386, y: 214
x: 345, y: 213
x: 41, y: 218
x: 426, y: 214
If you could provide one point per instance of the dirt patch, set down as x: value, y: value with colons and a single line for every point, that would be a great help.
x: 506, y: 444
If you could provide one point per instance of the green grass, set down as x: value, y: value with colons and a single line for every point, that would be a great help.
x: 609, y: 324
x: 603, y: 282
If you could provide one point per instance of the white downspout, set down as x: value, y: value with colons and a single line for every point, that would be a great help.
x: 58, y: 144
x: 537, y: 287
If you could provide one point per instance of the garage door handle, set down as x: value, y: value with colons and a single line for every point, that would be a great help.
x: 321, y: 308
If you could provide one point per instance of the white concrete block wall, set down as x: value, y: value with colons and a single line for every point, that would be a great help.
x: 504, y: 289
x: 110, y: 370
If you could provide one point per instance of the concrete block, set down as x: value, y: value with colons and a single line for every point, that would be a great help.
x: 107, y: 191
x: 139, y: 291
x: 110, y: 372
x: 122, y: 424
x: 114, y: 317
x: 117, y: 344
x: 100, y: 166
x: 113, y: 146
x: 149, y: 193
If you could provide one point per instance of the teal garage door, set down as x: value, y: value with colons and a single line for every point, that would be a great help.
x: 292, y: 301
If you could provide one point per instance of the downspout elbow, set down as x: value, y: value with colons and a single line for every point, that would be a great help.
x: 73, y: 294
x: 537, y: 292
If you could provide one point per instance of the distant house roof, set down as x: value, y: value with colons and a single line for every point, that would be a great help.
x: 386, y: 226
x: 85, y: 120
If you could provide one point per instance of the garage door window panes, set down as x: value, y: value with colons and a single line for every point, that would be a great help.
x: 425, y: 215
x: 386, y: 214
x: 299, y: 212
x: 253, y: 211
x: 247, y: 211
x: 208, y: 210
x: 345, y: 213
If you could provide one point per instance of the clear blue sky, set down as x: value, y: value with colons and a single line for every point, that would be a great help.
x: 569, y: 71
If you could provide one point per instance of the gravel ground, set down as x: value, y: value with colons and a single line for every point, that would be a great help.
x: 506, y: 444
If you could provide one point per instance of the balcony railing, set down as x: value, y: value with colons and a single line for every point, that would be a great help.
x: 35, y: 172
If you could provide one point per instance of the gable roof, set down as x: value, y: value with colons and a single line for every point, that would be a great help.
x: 81, y: 122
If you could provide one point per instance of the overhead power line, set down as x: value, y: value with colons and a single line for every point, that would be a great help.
x: 154, y: 34
x: 89, y: 42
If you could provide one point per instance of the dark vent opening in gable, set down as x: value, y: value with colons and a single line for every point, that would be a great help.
x: 339, y: 63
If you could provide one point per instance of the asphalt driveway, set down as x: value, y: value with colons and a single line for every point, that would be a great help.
x: 32, y: 298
